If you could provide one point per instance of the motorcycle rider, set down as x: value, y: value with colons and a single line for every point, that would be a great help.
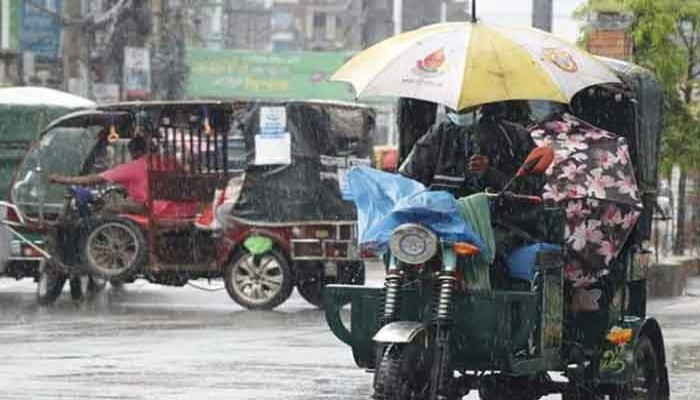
x: 133, y: 176
x: 465, y: 158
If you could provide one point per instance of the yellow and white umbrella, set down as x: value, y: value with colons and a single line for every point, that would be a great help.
x: 467, y: 64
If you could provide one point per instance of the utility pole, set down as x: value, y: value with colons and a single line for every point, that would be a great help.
x: 542, y: 14
x: 398, y: 16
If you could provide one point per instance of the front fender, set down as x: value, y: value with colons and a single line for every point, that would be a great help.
x: 623, y: 355
x: 399, y: 332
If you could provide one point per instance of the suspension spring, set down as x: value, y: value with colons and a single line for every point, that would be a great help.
x: 391, y: 298
x: 444, y: 300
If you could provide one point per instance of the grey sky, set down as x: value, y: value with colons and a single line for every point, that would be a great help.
x: 518, y: 12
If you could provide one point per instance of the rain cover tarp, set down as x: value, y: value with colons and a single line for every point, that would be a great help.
x: 592, y: 178
x: 326, y: 139
x: 385, y: 201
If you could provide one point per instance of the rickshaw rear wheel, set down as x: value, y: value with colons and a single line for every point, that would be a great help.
x: 259, y: 282
x: 113, y: 248
x: 646, y: 379
x: 50, y: 284
x: 351, y: 272
x: 404, y: 373
x: 310, y: 281
x: 311, y: 278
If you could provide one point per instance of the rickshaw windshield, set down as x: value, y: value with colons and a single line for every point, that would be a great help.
x: 62, y: 150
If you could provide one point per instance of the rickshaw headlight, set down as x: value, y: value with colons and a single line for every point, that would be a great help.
x: 413, y: 244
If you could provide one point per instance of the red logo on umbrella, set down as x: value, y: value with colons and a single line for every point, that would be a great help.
x: 432, y: 64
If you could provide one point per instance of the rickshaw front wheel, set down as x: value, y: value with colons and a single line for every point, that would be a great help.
x: 404, y: 373
x: 259, y: 282
x: 113, y: 248
x: 50, y: 284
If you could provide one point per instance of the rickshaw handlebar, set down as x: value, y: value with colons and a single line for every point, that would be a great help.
x: 516, y: 197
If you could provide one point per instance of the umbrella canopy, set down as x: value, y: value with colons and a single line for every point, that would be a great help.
x: 40, y: 96
x: 593, y: 180
x: 466, y: 64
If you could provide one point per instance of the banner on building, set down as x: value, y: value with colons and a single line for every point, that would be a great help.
x: 105, y: 93
x: 41, y: 31
x: 137, y: 73
x: 299, y: 75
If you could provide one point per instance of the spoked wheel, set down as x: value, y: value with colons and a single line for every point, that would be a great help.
x: 50, y: 285
x: 114, y: 248
x: 310, y: 281
x: 259, y: 281
x: 404, y: 373
x: 645, y: 382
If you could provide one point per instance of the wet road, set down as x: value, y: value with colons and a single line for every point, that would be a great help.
x: 153, y: 342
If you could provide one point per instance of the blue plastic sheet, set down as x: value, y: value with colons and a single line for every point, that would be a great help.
x: 384, y: 201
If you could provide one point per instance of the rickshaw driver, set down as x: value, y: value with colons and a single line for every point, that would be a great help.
x: 468, y: 159
x: 133, y: 176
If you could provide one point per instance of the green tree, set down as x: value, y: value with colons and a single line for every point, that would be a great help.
x: 666, y: 35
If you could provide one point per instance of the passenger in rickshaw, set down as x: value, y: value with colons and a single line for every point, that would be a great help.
x: 133, y: 176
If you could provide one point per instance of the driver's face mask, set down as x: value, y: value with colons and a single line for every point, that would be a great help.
x: 459, y: 119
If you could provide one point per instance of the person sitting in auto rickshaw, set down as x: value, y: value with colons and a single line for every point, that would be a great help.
x: 133, y: 176
x: 464, y: 159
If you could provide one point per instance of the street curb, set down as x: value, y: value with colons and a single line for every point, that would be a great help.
x: 669, y: 277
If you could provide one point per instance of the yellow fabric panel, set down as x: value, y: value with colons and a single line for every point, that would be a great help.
x: 499, y: 69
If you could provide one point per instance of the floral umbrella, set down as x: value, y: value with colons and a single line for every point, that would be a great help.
x: 593, y: 180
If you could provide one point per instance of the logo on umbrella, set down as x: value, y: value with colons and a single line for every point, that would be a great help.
x: 432, y: 65
x: 561, y: 58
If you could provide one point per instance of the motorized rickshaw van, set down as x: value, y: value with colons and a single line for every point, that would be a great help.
x: 432, y: 333
x: 196, y: 150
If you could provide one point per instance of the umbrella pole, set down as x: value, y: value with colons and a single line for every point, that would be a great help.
x: 473, y: 10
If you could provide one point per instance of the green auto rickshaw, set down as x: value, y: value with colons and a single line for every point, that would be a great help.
x: 433, y: 331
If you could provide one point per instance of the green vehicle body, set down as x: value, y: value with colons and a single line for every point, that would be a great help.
x: 20, y: 126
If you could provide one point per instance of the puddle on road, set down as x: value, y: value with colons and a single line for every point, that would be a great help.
x: 685, y: 358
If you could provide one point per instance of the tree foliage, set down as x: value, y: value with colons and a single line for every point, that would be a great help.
x: 600, y: 6
x: 666, y: 35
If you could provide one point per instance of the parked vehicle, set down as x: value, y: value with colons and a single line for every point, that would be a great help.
x: 435, y: 331
x: 197, y: 150
x: 24, y: 112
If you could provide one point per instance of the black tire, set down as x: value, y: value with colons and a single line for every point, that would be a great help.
x: 351, y: 272
x: 310, y: 281
x: 403, y: 373
x: 113, y: 248
x: 247, y: 286
x: 646, y: 381
x: 50, y: 284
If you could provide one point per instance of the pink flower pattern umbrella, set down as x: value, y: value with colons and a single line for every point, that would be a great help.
x: 592, y: 179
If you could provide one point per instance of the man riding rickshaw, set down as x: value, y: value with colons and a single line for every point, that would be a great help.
x: 572, y: 298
